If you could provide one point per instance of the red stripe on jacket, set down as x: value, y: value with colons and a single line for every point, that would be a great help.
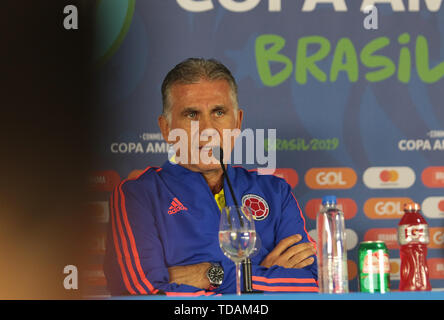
x: 284, y: 288
x: 303, y: 219
x: 118, y: 192
x: 284, y: 280
x: 189, y: 294
x: 118, y: 253
x: 133, y: 243
x: 127, y: 255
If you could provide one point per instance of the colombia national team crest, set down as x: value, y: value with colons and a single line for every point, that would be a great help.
x: 258, y: 206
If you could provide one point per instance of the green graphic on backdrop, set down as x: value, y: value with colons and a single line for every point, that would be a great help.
x: 113, y: 19
x: 345, y: 59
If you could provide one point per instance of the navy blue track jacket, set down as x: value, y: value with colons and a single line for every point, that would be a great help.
x: 168, y: 217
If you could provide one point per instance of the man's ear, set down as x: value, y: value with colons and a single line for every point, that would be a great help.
x: 240, y: 116
x: 164, y: 127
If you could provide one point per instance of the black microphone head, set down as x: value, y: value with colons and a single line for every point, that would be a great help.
x: 218, y: 153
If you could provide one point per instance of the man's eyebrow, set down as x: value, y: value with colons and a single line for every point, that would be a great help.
x: 219, y: 107
x: 190, y: 109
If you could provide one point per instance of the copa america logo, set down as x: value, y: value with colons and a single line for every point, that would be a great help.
x: 307, y: 6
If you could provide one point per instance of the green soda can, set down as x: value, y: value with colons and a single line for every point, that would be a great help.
x: 374, y: 267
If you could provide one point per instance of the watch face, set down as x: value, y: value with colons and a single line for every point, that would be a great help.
x: 216, y: 275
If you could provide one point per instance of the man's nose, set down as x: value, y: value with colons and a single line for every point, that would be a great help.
x: 206, y: 127
x: 205, y: 122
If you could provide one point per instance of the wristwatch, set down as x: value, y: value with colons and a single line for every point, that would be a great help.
x: 215, y: 275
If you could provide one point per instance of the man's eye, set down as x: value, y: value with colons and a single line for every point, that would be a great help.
x: 219, y: 113
x: 192, y: 114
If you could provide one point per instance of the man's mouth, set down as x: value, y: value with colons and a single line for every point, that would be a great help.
x: 206, y: 147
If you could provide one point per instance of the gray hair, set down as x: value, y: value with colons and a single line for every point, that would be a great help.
x: 191, y: 71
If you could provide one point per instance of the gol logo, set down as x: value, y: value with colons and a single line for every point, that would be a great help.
x: 433, y: 177
x: 98, y: 211
x: 436, y: 268
x: 330, y: 178
x: 94, y: 276
x: 346, y: 205
x: 388, y: 235
x: 352, y: 269
x: 436, y: 238
x: 385, y: 208
x: 135, y: 173
x: 288, y: 174
x: 103, y: 181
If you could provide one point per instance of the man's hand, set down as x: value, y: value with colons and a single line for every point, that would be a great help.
x: 193, y: 275
x: 288, y: 256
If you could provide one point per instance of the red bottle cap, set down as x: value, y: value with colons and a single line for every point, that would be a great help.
x: 412, y: 206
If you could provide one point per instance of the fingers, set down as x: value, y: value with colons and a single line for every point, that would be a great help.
x: 288, y: 254
x: 304, y: 263
x: 271, y: 258
x: 302, y: 258
x: 297, y: 256
x: 276, y: 253
x: 299, y: 251
x: 284, y: 244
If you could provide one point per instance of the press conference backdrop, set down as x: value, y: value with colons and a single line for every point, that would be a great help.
x: 356, y: 100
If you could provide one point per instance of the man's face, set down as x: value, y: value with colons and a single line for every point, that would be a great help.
x: 209, y: 104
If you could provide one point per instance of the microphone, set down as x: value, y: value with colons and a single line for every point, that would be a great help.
x: 218, y: 153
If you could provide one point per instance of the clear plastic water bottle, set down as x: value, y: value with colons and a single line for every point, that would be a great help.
x: 331, y: 247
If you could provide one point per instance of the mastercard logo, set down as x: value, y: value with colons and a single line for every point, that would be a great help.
x: 330, y: 178
x: 389, y: 177
x: 395, y: 267
x: 433, y: 177
x: 351, y: 238
x: 98, y: 243
x: 433, y: 207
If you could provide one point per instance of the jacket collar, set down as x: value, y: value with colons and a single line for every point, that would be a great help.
x: 182, y: 176
x: 178, y: 170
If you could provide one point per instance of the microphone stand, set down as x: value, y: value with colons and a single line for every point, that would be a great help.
x: 246, y: 264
